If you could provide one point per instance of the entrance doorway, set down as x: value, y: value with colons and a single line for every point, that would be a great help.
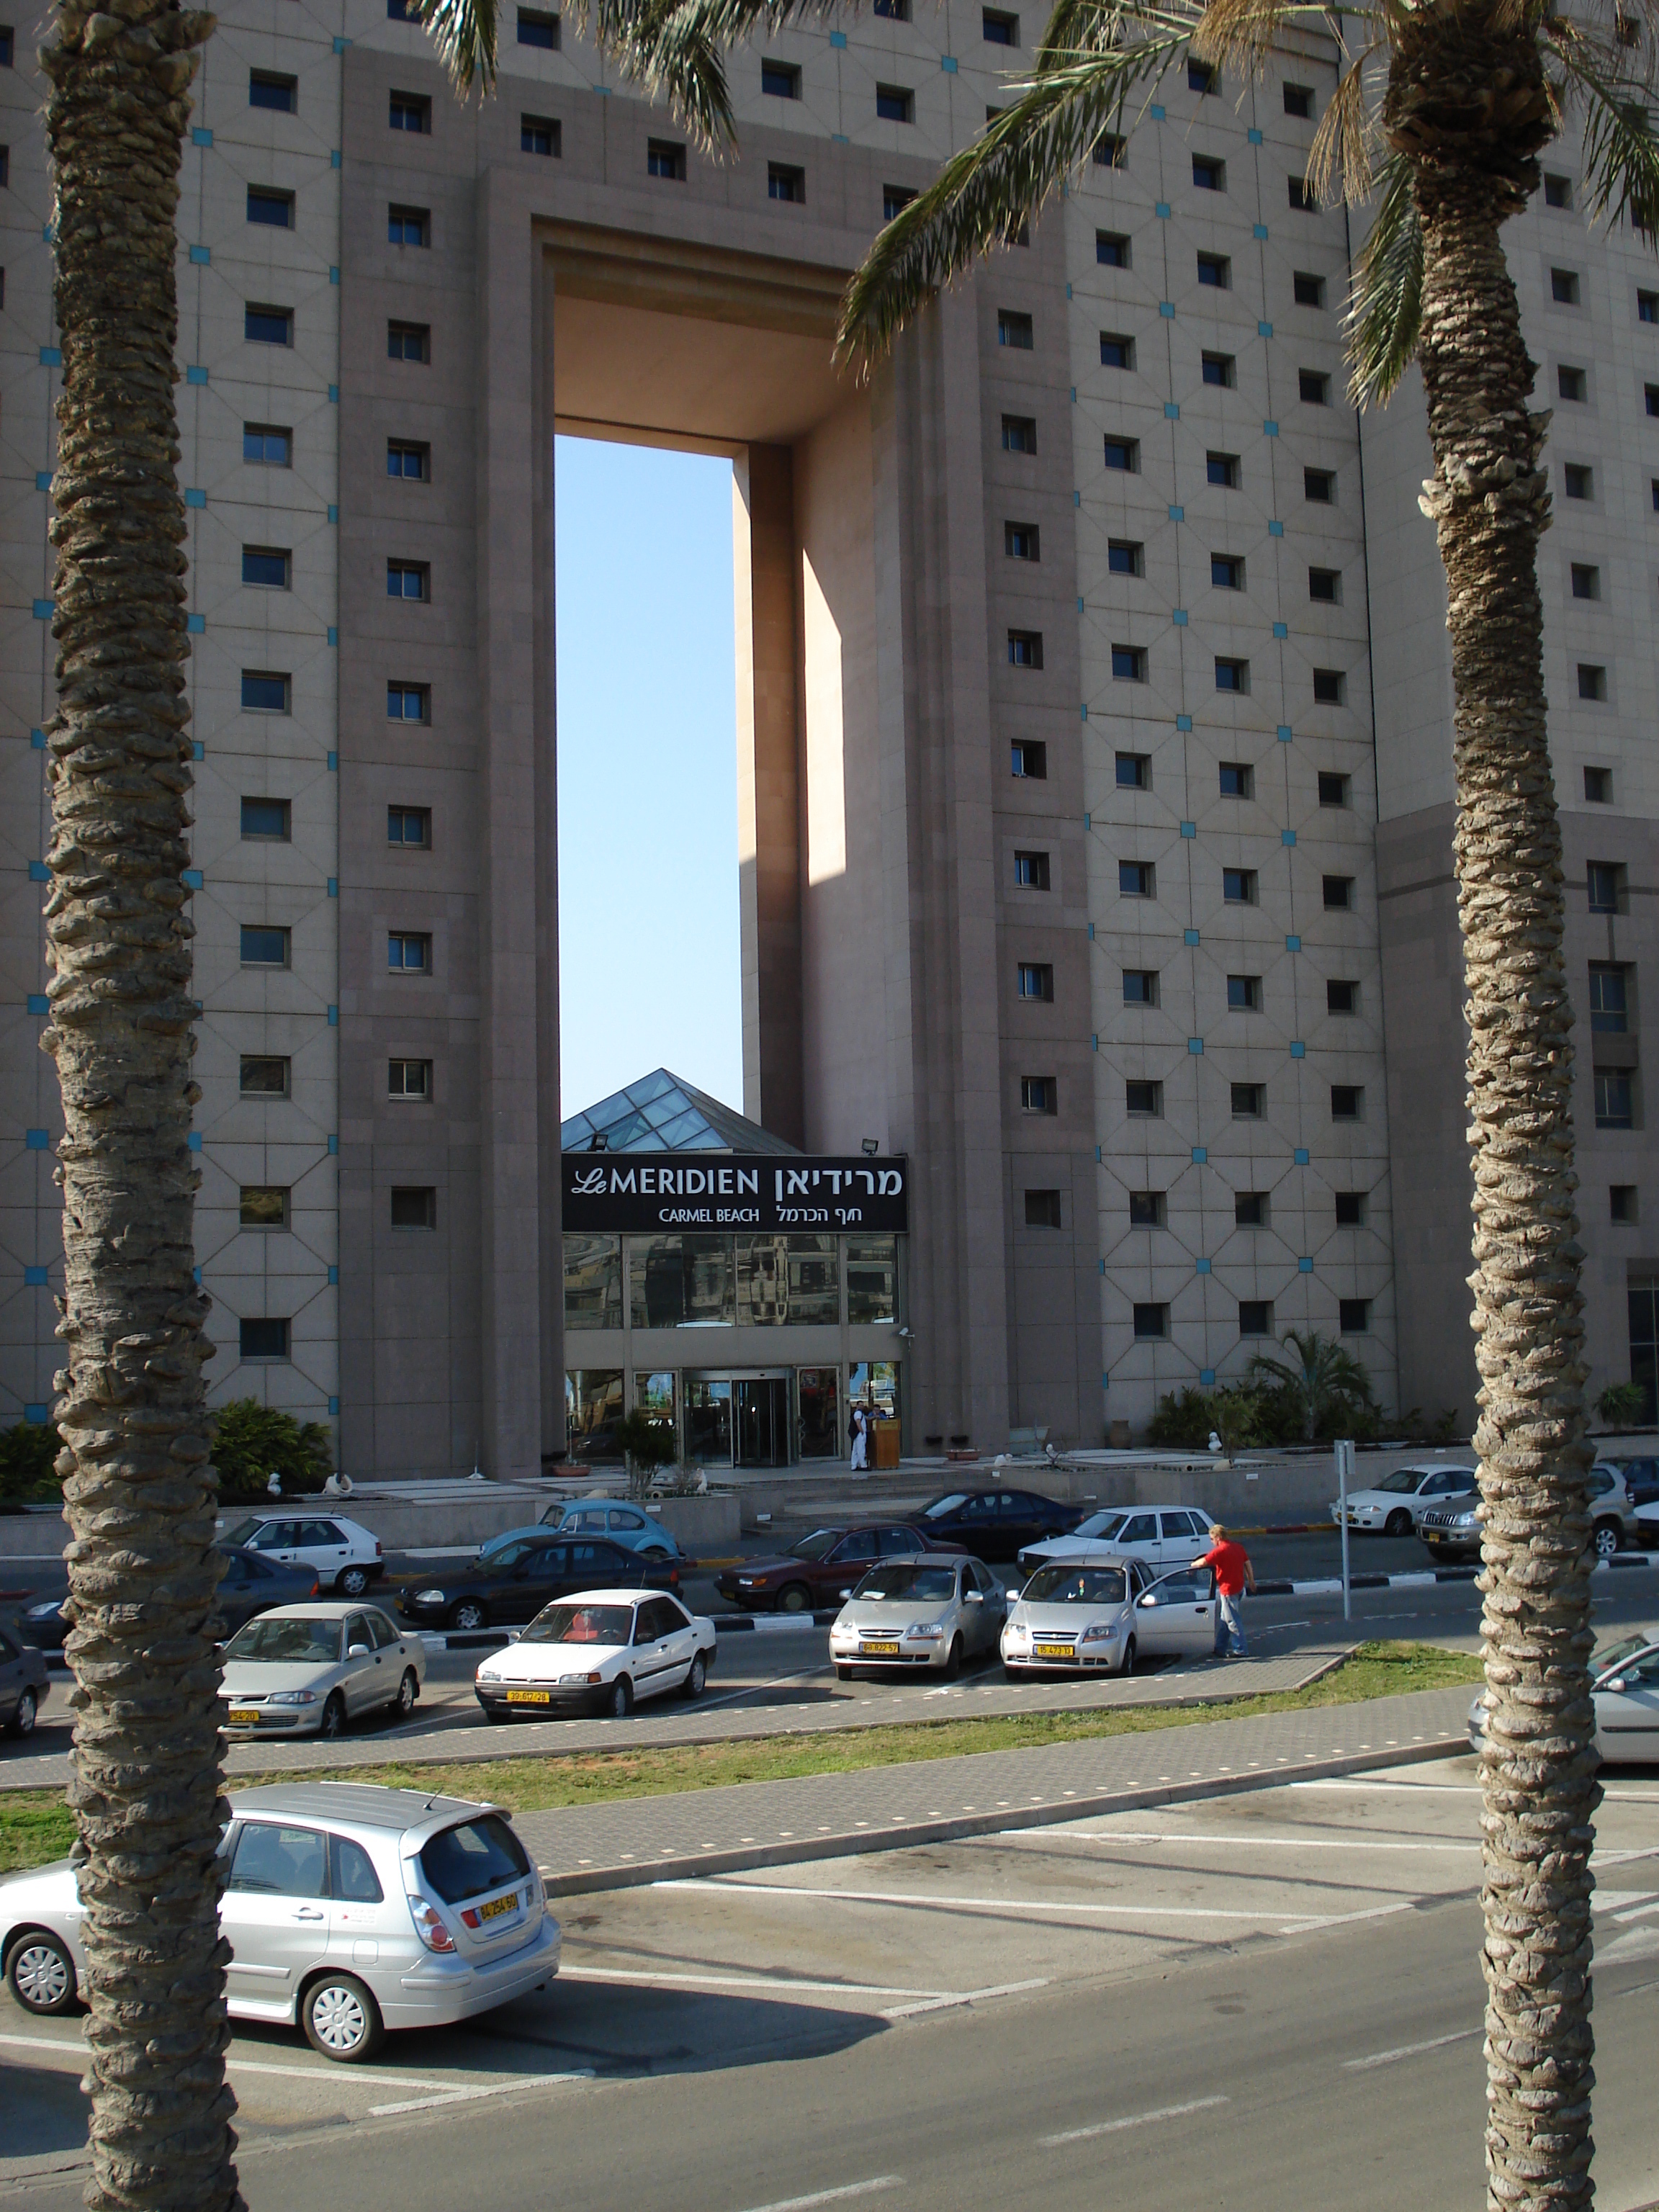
x: 738, y: 1421
x: 762, y: 1427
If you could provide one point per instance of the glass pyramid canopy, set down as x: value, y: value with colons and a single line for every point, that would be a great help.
x: 661, y: 1114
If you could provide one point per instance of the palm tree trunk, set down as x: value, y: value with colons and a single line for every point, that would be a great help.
x: 1464, y: 104
x: 138, y: 1489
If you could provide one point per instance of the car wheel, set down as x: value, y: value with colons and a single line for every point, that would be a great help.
x: 341, y: 2018
x: 1399, y: 1523
x: 41, y: 1974
x: 696, y: 1677
x: 332, y: 1726
x: 953, y: 1660
x: 22, y: 1721
x: 1608, y: 1535
x: 620, y: 1701
x: 467, y: 1615
x: 843, y: 1673
x: 1126, y: 1665
x: 794, y: 1597
x: 408, y: 1690
x: 352, y: 1582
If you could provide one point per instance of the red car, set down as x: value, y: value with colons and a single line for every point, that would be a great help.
x: 820, y: 1566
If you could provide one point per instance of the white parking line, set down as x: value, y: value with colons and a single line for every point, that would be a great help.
x: 783, y: 1984
x: 1408, y: 2050
x: 353, y: 2077
x: 1310, y: 1924
x: 472, y: 2096
x: 832, y: 2195
x: 1125, y: 1912
x: 1234, y: 1841
x: 1133, y: 2120
x: 968, y: 1997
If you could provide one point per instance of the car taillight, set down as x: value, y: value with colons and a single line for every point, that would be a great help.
x: 315, y: 1587
x: 429, y: 1924
x: 379, y: 1554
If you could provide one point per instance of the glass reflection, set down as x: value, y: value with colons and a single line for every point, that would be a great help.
x: 681, y: 1281
x: 593, y: 1282
x: 593, y: 1407
x: 707, y: 1421
x: 871, y: 1279
x: 788, y: 1278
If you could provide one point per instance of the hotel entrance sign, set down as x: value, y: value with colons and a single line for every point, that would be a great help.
x: 643, y: 1191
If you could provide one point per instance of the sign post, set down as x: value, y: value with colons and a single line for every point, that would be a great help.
x: 1343, y: 1470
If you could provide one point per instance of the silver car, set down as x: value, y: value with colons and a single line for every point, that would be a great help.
x: 349, y: 1908
x: 308, y: 1670
x: 918, y: 1613
x: 1080, y: 1615
x: 1625, y: 1692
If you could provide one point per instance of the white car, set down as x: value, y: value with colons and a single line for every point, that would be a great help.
x: 606, y: 1648
x: 1625, y: 1691
x: 1156, y: 1536
x: 346, y: 1556
x: 308, y: 1670
x: 1104, y: 1613
x: 1394, y: 1506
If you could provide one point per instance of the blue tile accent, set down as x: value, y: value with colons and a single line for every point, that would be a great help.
x: 1172, y: 410
x: 37, y: 740
x: 40, y: 872
x: 948, y: 64
x: 1195, y: 1048
x: 1079, y: 602
x: 43, y: 610
x: 1162, y: 208
x: 1300, y: 1156
x: 198, y: 750
x: 1261, y: 231
x: 51, y: 356
x: 200, y: 137
x: 1091, y: 933
x: 1287, y: 837
x: 36, y: 1140
x: 1068, y: 294
x: 334, y: 887
x: 334, y: 1017
x: 1270, y: 429
x: 333, y: 395
x: 1281, y: 629
x: 191, y: 878
x: 1200, y: 1154
x: 194, y: 497
x: 1156, y: 113
x: 1084, y: 711
x: 840, y: 138
x: 334, y: 1406
x: 333, y: 514
x: 1284, y: 733
x: 195, y: 625
x: 35, y: 1416
x: 1264, y: 330
x: 1077, y: 499
x: 1103, y: 1264
x: 333, y: 1143
x: 1189, y: 937
x: 838, y: 37
x: 1177, y: 514
x: 1200, y: 1266
x: 1294, y: 944
x: 1105, y: 1382
x: 1189, y: 828
x: 1183, y: 722
x: 334, y: 1274
x: 1178, y: 616
x: 1304, y: 1267
x: 333, y: 272
x: 1298, y: 1050
x: 43, y: 479
x: 39, y: 1003
x: 202, y: 256
x: 196, y: 1275
x: 1094, y: 1042
x: 334, y: 635
x: 1088, y: 822
x: 35, y: 1277
x: 1206, y: 1375
x: 334, y: 761
x: 1166, y: 308
x: 1275, y: 530
x: 194, y: 1140
x: 1253, y: 136
x: 46, y: 233
x: 334, y: 157
x: 340, y: 45
x: 1097, y: 1155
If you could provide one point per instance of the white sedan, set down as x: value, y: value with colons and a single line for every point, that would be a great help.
x: 1156, y: 1536
x: 606, y: 1648
x: 308, y: 1670
x: 1104, y: 1615
x: 1394, y: 1506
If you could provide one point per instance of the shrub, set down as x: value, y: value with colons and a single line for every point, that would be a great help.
x: 1185, y: 1422
x: 27, y: 1475
x: 252, y: 1442
x: 1622, y: 1404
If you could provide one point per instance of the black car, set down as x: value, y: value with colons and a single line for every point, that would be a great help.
x: 993, y: 1524
x: 519, y: 1578
x: 250, y: 1585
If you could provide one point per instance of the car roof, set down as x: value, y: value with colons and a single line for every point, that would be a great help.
x: 365, y: 1804
x: 633, y: 1595
x: 324, y: 1609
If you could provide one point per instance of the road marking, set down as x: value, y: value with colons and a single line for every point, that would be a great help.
x: 1234, y: 1843
x: 968, y: 1997
x: 999, y: 1904
x: 1454, y: 1789
x: 1312, y: 1922
x: 472, y: 2096
x: 779, y: 1982
x: 1408, y: 2050
x: 1134, y: 2120
x: 833, y: 2196
x: 323, y: 2073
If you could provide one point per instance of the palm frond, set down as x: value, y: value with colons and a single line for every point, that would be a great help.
x: 464, y: 33
x: 1385, y: 309
x: 670, y: 49
x: 1241, y: 32
x: 1621, y: 152
x: 1341, y: 155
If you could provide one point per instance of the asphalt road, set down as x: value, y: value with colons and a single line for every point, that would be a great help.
x: 1245, y: 2002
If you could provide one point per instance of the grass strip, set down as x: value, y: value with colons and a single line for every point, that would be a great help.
x: 35, y: 1824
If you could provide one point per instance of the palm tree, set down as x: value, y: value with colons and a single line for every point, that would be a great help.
x: 1441, y: 109
x: 1325, y: 1383
x: 138, y: 1486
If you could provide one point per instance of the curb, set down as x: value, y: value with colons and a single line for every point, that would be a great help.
x: 1331, y: 1585
x: 726, y: 1624
x: 856, y: 1844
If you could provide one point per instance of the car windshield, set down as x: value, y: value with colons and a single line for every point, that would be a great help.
x: 1078, y: 1586
x: 1407, y: 1478
x: 815, y: 1546
x: 477, y: 1856
x: 582, y: 1624
x: 243, y: 1533
x: 278, y: 1642
x: 1101, y: 1524
x: 507, y: 1553
x: 941, y: 1505
x: 1615, y: 1654
x: 900, y: 1578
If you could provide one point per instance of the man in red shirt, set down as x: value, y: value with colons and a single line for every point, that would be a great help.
x: 1234, y: 1575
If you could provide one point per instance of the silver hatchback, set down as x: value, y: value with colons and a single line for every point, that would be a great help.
x: 348, y: 1908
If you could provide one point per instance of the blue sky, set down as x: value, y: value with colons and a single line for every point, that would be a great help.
x: 648, y: 946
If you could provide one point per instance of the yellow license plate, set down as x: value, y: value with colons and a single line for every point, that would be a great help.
x: 880, y: 1651
x: 1053, y: 1651
x: 529, y: 1698
x: 497, y: 1905
x: 243, y: 1716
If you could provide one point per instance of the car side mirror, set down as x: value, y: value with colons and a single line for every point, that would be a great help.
x: 973, y: 1597
x: 846, y: 1594
x: 1614, y: 1682
x: 1011, y: 1592
x: 1149, y: 1599
x: 357, y: 1651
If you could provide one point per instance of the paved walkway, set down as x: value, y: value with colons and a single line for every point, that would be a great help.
x: 757, y: 1824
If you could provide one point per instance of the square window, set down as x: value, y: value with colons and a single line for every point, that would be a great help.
x: 1572, y: 384
x: 263, y: 1076
x: 408, y: 703
x: 1147, y: 1209
x: 1021, y: 541
x: 1650, y: 392
x: 1134, y: 772
x: 1000, y: 30
x: 1598, y: 786
x: 1301, y: 196
x: 1026, y: 648
x: 1136, y: 879
x: 1152, y: 1321
x: 1586, y: 580
x: 1244, y: 995
x: 1111, y: 150
x: 1019, y: 434
x: 266, y: 89
x: 1238, y: 886
x: 1231, y: 674
x: 1141, y: 986
x: 1256, y: 1317
x: 779, y: 80
x: 263, y: 1206
x: 1035, y: 980
x: 261, y: 947
x: 1111, y: 249
x: 1117, y: 352
x: 1558, y: 192
x: 406, y: 459
x: 1338, y: 894
x: 266, y: 446
x: 1341, y: 997
x: 263, y: 1338
x: 409, y: 952
x: 1299, y: 101
x: 266, y: 821
x: 1215, y: 270
x: 1222, y: 469
x: 1237, y: 781
x: 268, y: 567
x: 1123, y: 453
x: 1039, y: 1094
x: 409, y: 226
x: 1592, y: 680
x: 1313, y: 387
x: 1346, y: 1100
x: 894, y: 11
x: 1329, y: 683
x: 1126, y: 556
x: 1129, y: 664
x: 1621, y: 1204
x: 540, y: 134
x: 1202, y: 76
x: 893, y: 103
x: 415, y: 1207
x: 408, y: 579
x: 1607, y: 887
x: 1353, y: 1316
x: 783, y: 183
x: 1580, y: 482
x: 263, y: 325
x: 1042, y: 1209
x: 1333, y: 788
x: 1031, y: 871
x: 409, y: 827
x: 409, y: 342
x: 1563, y: 287
x: 1325, y: 586
x: 411, y: 111
x: 1615, y: 1098
x: 1220, y: 368
x: 1250, y: 1209
x: 273, y: 209
x: 1143, y: 1100
x: 1029, y: 758
x: 1350, y: 1209
x: 1014, y: 329
x: 893, y: 198
x: 264, y: 692
x: 1248, y: 1101
x: 1209, y: 174
x: 1609, y: 997
x: 409, y: 1079
x: 1647, y: 306
x: 665, y: 157
x: 1226, y: 572
x: 1310, y: 289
